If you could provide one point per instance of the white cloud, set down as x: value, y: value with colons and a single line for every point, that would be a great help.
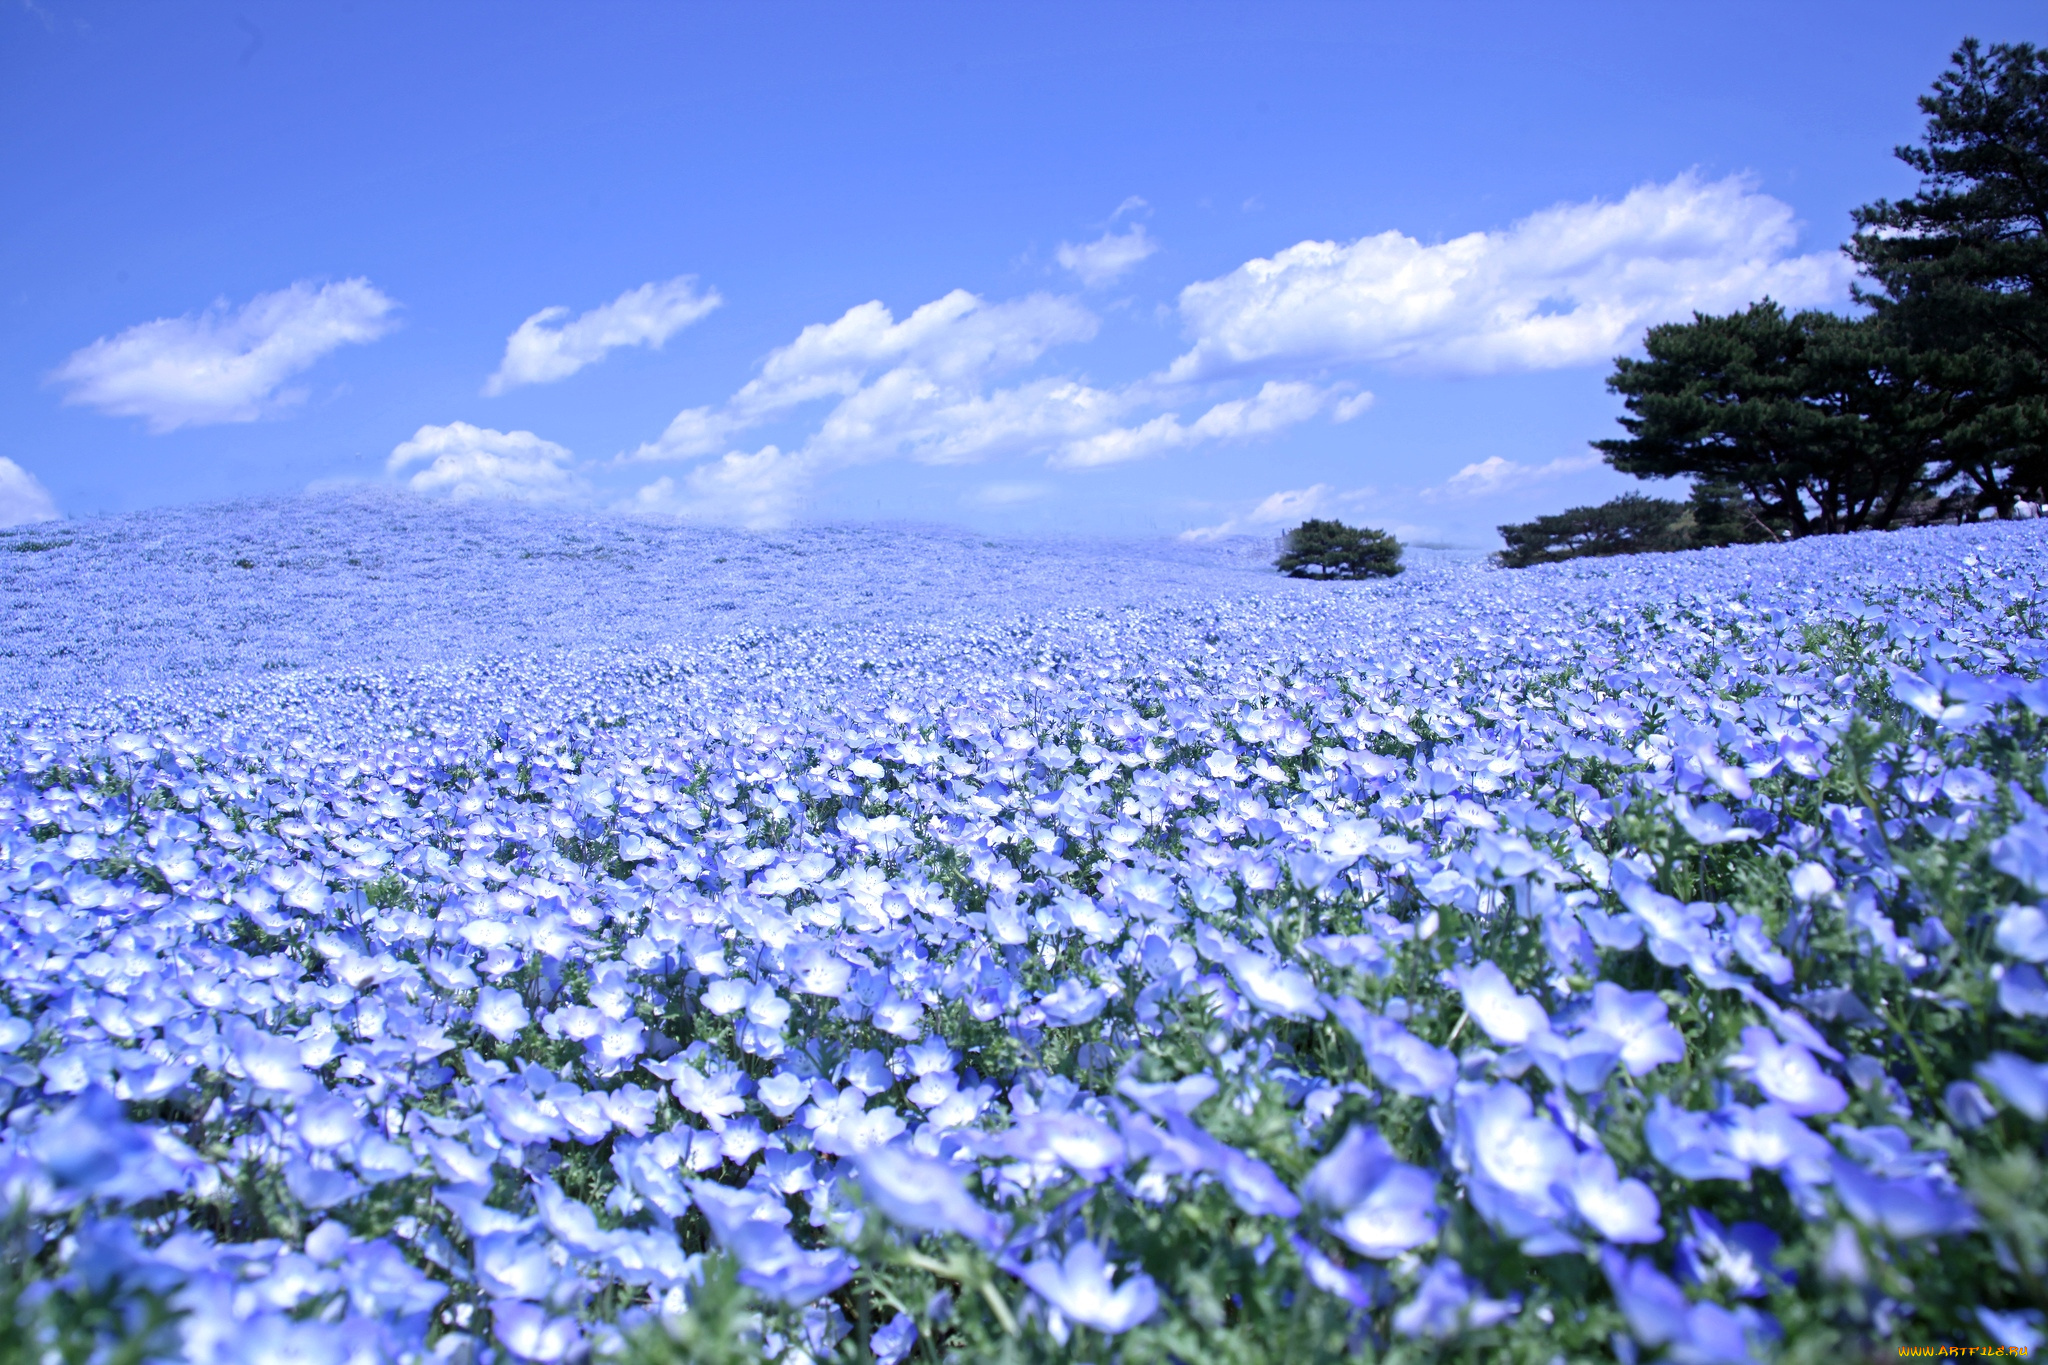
x: 926, y: 389
x: 1288, y: 507
x: 1571, y: 285
x: 1277, y: 405
x: 1494, y: 475
x: 222, y: 365
x: 1104, y: 260
x: 465, y: 462
x: 760, y: 490
x: 541, y: 352
x: 904, y: 388
x: 22, y: 498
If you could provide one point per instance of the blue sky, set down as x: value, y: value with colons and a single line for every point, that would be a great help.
x: 1173, y: 269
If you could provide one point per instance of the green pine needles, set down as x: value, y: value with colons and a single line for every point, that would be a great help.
x: 1330, y: 549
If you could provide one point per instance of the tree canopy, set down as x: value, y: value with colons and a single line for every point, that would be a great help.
x: 1330, y: 549
x: 1956, y: 270
x: 1813, y: 416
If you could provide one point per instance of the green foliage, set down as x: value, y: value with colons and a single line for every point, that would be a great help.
x: 1957, y: 268
x: 1812, y: 416
x: 1330, y: 549
x: 1717, y: 514
x: 49, y: 1316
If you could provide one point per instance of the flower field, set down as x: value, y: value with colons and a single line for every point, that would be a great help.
x: 1096, y: 953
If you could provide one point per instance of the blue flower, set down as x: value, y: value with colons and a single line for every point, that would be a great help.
x: 923, y: 1193
x: 1514, y: 1164
x: 526, y: 1330
x: 2023, y: 932
x: 1640, y: 1022
x: 1788, y: 1073
x: 1080, y: 1286
x: 1399, y: 1060
x: 1326, y: 1275
x: 1905, y: 1207
x: 1691, y: 1145
x: 1074, y: 1003
x: 1159, y: 1099
x: 2023, y: 1083
x: 502, y: 1014
x: 1509, y: 1017
x: 2022, y: 992
x: 2022, y: 851
x: 1447, y: 1302
x: 1619, y: 1210
x: 1384, y: 1206
x: 1740, y: 1258
x: 893, y: 1340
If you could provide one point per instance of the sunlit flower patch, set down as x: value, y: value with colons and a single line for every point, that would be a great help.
x: 1640, y: 961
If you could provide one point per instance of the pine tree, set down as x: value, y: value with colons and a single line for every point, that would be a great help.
x: 1330, y: 549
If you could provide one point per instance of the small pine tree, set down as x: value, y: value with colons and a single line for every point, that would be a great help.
x: 1330, y: 549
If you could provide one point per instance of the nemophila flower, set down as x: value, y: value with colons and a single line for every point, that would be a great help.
x: 1448, y: 1302
x: 2018, y: 1331
x: 500, y: 1013
x: 2022, y: 851
x: 1086, y: 1144
x: 1619, y: 1210
x: 2023, y: 932
x: 1740, y: 1258
x: 1513, y: 1163
x: 1332, y: 1278
x: 1676, y: 933
x: 1690, y: 1144
x: 1967, y: 1105
x: 922, y: 1193
x: 1399, y: 1060
x: 714, y: 1098
x: 783, y: 1093
x: 1509, y: 1017
x: 1159, y: 1099
x: 527, y: 1331
x: 1081, y: 1287
x: 1811, y: 881
x: 894, y: 1339
x: 1385, y: 1207
x: 1903, y: 1206
x: 270, y: 1062
x: 705, y: 854
x: 1074, y: 1003
x: 1709, y: 822
x: 510, y: 1267
x: 1773, y: 1136
x: 2022, y: 992
x: 329, y: 1121
x: 2021, y: 1083
x: 1788, y: 1074
x: 1639, y: 1023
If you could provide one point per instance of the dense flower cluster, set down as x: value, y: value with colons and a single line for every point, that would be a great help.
x: 1639, y: 959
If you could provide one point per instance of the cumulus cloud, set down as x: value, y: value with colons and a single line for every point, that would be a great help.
x: 223, y: 365
x: 1494, y: 475
x: 758, y: 490
x: 912, y: 388
x: 1571, y: 285
x: 22, y: 498
x: 1289, y: 507
x: 465, y: 462
x: 930, y: 389
x: 1277, y: 405
x: 545, y: 348
x: 1104, y: 260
